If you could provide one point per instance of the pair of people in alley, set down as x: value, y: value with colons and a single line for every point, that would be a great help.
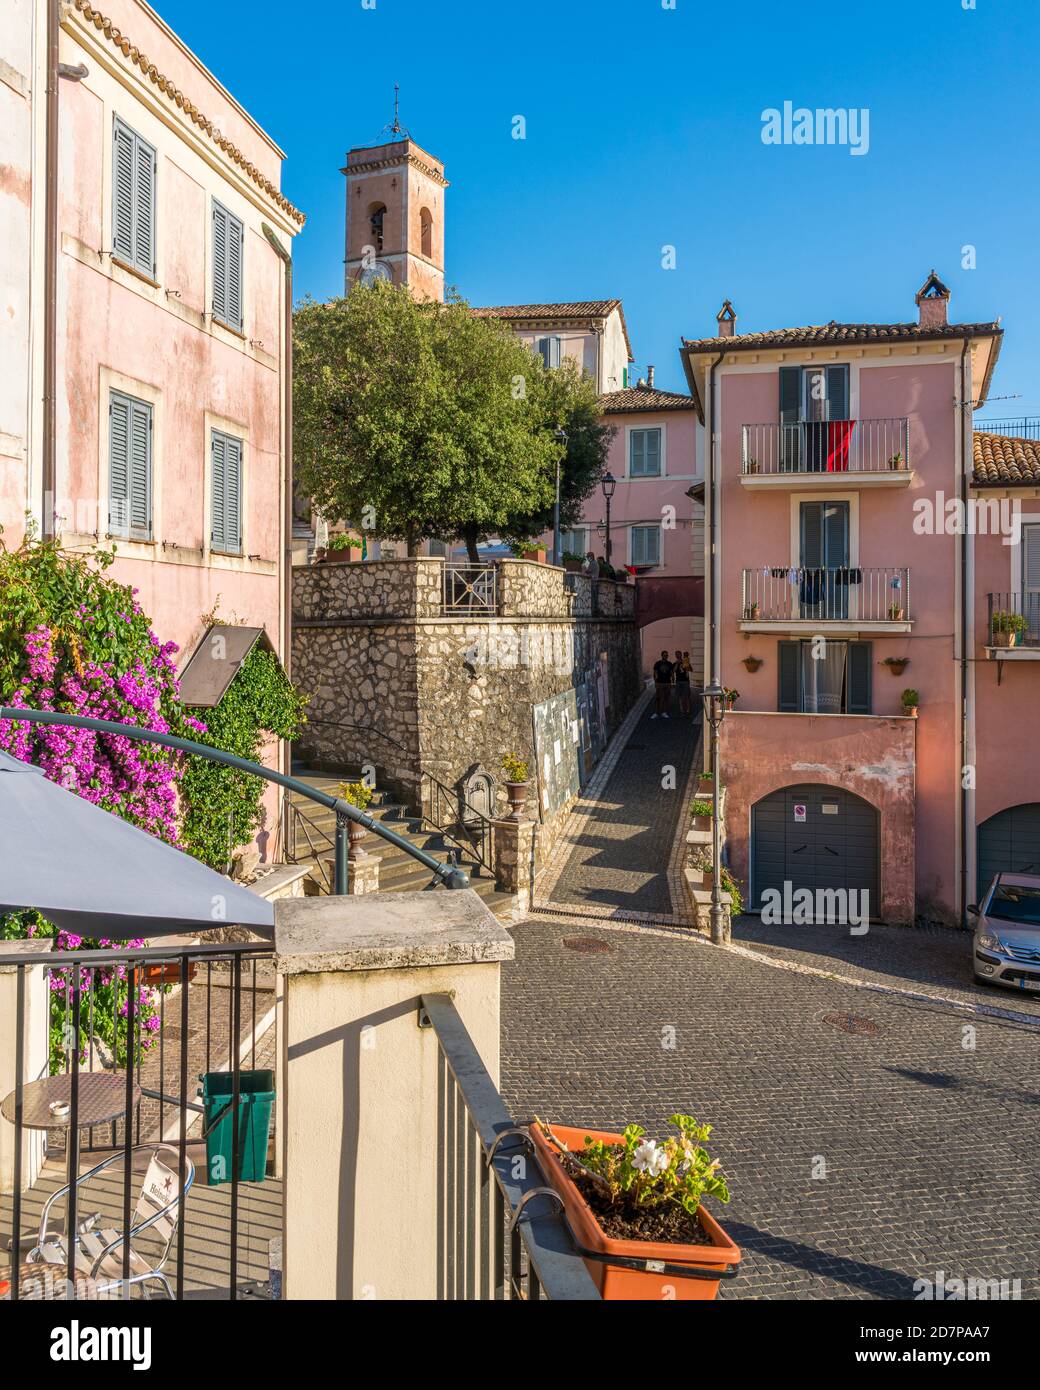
x: 669, y: 675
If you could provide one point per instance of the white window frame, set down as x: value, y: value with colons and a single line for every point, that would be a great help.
x: 633, y: 430
x: 649, y: 526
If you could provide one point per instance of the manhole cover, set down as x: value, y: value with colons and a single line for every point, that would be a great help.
x: 588, y: 945
x: 852, y: 1023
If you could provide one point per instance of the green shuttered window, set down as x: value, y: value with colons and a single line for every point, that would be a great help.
x: 645, y: 453
x: 133, y: 199
x: 129, y: 467
x: 225, y: 493
x: 228, y: 249
x: 793, y: 694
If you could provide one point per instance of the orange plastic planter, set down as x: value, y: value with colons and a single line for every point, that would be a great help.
x: 613, y: 1281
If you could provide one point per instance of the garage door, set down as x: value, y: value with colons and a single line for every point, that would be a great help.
x: 815, y: 837
x: 1008, y: 842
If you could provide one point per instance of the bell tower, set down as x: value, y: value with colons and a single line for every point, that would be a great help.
x: 395, y: 214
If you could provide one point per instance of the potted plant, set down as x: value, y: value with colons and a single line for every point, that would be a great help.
x: 729, y: 885
x: 909, y: 700
x: 1007, y: 628
x: 752, y: 663
x: 635, y: 1206
x: 751, y: 612
x: 707, y: 782
x: 572, y: 563
x: 346, y: 548
x: 702, y: 812
x: 731, y: 696
x: 895, y: 612
x: 896, y: 462
x: 700, y: 862
x: 535, y: 552
x: 517, y: 776
x: 896, y: 664
x: 359, y: 794
x: 751, y: 466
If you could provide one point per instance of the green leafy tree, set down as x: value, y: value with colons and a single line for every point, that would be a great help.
x: 420, y: 420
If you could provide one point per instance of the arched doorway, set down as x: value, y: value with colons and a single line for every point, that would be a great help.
x: 813, y: 836
x: 1008, y: 842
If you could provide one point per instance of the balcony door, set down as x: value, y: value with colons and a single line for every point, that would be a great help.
x: 823, y: 585
x: 1031, y: 582
x: 810, y: 399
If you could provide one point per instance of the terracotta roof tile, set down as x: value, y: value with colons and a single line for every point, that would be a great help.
x: 1003, y: 461
x: 644, y: 398
x: 825, y: 334
x: 579, y: 309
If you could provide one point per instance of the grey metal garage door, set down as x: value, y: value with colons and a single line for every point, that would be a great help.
x: 1008, y: 842
x: 815, y: 837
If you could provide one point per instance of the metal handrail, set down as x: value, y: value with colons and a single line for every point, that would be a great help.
x: 1028, y: 427
x: 831, y: 593
x: 805, y: 446
x: 451, y: 874
x: 553, y: 1265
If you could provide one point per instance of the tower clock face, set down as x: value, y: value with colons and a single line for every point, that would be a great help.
x: 371, y: 274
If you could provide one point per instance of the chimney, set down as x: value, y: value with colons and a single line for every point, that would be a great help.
x: 650, y: 375
x: 932, y: 301
x: 726, y: 318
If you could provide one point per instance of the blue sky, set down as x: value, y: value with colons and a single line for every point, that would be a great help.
x: 644, y: 130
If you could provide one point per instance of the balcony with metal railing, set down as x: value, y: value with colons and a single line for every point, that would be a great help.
x: 842, y: 598
x: 833, y: 453
x: 1013, y: 627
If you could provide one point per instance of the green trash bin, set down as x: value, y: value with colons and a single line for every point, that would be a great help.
x: 255, y: 1098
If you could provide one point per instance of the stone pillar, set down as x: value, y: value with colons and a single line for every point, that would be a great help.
x: 362, y: 872
x: 360, y: 1080
x: 514, y: 858
x: 36, y: 1044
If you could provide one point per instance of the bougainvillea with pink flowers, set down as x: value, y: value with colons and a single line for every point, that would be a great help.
x: 71, y: 639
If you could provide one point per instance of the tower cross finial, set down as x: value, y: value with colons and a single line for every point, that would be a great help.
x: 396, y: 127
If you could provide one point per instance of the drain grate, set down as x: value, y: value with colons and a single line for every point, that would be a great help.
x: 853, y: 1023
x: 588, y: 945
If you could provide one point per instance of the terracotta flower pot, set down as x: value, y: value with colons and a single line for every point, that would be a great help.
x: 348, y: 555
x: 615, y: 1282
x: 355, y: 834
x: 752, y: 663
x: 168, y: 972
x: 897, y: 667
x: 538, y: 555
x: 910, y: 711
x: 572, y: 566
x: 516, y: 792
x: 1002, y: 639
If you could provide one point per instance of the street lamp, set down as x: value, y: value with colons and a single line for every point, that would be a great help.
x: 608, y: 483
x: 713, y: 697
x: 561, y: 436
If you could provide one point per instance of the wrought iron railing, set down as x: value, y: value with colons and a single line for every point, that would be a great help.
x: 1013, y: 620
x: 469, y: 588
x: 129, y: 1032
x: 1027, y: 427
x: 843, y: 593
x: 827, y: 446
x: 499, y: 1231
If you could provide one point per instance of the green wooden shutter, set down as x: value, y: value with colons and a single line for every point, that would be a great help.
x: 144, y: 207
x: 837, y: 393
x: 220, y: 263
x: 123, y: 193
x: 233, y: 494
x: 637, y: 465
x: 790, y: 395
x: 653, y: 452
x: 789, y: 681
x: 812, y: 534
x: 118, y: 464
x: 141, y: 469
x: 235, y: 249
x: 217, y: 491
x: 860, y: 677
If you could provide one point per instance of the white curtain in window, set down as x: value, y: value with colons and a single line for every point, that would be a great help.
x: 823, y: 678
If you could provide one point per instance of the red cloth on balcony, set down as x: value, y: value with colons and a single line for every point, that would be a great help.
x: 839, y: 436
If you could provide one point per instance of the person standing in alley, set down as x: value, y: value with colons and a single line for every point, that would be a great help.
x: 682, y: 681
x: 664, y: 673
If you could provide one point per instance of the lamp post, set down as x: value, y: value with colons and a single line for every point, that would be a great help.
x: 561, y: 436
x: 608, y: 483
x: 714, y: 700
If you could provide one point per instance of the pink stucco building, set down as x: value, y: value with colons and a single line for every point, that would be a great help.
x: 145, y: 317
x: 842, y: 465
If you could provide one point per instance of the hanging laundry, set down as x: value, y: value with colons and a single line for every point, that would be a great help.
x: 839, y: 437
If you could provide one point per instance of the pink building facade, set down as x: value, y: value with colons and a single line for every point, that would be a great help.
x: 837, y: 579
x: 165, y: 433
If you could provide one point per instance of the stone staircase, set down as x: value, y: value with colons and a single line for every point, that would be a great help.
x: 315, y: 830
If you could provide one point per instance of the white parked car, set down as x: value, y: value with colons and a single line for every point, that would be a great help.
x: 1007, y: 932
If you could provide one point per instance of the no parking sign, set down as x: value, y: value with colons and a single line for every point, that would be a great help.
x: 799, y: 812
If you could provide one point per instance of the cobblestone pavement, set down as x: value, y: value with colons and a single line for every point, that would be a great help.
x: 929, y: 960
x: 925, y: 1129
x: 622, y: 855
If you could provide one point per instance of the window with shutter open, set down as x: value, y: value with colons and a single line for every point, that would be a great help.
x: 129, y: 467
x: 841, y: 685
x: 548, y: 350
x: 225, y: 493
x: 133, y: 199
x: 228, y: 249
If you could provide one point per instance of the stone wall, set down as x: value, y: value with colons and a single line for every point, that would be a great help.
x: 444, y: 694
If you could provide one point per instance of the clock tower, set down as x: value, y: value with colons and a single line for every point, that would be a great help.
x: 395, y: 216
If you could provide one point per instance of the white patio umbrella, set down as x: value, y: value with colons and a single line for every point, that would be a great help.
x: 98, y: 876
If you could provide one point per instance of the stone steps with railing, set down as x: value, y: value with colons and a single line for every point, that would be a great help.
x: 312, y: 842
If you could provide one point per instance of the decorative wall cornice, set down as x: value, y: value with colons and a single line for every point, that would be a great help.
x: 129, y: 50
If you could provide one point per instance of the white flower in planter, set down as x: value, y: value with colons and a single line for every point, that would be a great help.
x: 649, y: 1158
